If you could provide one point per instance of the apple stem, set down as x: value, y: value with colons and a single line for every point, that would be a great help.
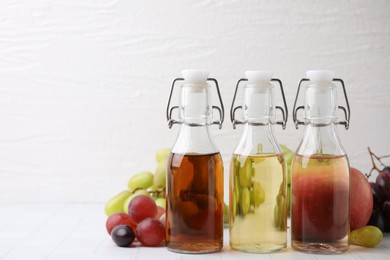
x: 378, y: 158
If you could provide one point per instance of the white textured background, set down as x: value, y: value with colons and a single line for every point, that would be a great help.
x: 84, y: 83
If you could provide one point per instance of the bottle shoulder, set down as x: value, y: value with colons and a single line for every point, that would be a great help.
x: 257, y: 140
x: 194, y: 140
x: 322, y: 140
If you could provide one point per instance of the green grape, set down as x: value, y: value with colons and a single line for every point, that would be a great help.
x: 283, y: 213
x: 142, y: 180
x: 288, y: 199
x: 288, y: 156
x: 236, y: 167
x: 161, y: 202
x: 160, y: 175
x: 236, y: 189
x: 368, y: 236
x: 279, y: 198
x: 162, y: 155
x: 234, y: 205
x: 280, y: 212
x: 225, y: 213
x: 245, y: 174
x: 115, y: 204
x: 125, y: 205
x: 245, y: 201
x: 257, y: 194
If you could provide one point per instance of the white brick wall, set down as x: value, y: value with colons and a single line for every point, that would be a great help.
x: 84, y: 83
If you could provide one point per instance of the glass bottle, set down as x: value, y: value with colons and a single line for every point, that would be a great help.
x: 258, y: 181
x: 194, y: 215
x: 320, y: 171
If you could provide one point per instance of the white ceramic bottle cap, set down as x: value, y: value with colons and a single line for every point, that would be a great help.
x: 195, y: 76
x: 258, y: 76
x: 320, y: 75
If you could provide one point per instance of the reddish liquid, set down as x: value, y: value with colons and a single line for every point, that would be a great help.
x: 194, y: 216
x: 320, y: 199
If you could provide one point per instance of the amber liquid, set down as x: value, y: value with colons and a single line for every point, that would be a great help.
x: 320, y: 204
x: 194, y: 216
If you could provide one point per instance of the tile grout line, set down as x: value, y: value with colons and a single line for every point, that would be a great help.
x: 64, y: 237
x: 27, y: 237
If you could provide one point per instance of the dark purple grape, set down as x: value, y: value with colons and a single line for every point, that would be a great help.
x: 386, y: 221
x: 122, y: 235
x: 377, y: 196
x: 383, y: 184
x: 386, y: 169
x: 386, y: 209
x: 377, y: 220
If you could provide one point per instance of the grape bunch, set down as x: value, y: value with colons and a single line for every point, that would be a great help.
x: 138, y: 213
x: 247, y: 192
x: 143, y: 183
x: 380, y: 216
x: 145, y: 222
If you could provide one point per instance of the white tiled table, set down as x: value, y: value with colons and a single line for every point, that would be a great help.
x: 77, y: 231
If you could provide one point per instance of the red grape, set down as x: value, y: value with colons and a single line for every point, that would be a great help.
x: 118, y: 219
x: 383, y: 184
x: 141, y: 207
x: 122, y: 235
x: 160, y: 212
x: 162, y: 219
x: 150, y: 232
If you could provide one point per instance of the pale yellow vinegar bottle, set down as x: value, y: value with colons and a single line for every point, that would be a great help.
x: 258, y: 181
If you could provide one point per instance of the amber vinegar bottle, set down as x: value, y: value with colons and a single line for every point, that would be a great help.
x: 194, y: 215
x: 320, y: 170
x: 258, y: 181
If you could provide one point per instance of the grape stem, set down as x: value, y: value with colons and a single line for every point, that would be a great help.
x: 379, y: 159
x: 159, y: 192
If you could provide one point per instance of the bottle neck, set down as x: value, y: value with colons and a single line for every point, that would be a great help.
x: 195, y: 108
x: 258, y: 103
x: 194, y: 139
x: 320, y: 103
x: 320, y: 139
x: 257, y: 139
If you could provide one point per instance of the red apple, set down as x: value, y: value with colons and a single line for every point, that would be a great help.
x: 320, y: 202
x: 320, y: 209
x: 361, y: 199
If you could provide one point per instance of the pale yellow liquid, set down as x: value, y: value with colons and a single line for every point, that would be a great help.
x: 262, y: 228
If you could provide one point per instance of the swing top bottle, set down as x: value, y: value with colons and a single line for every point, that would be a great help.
x: 194, y: 216
x: 320, y: 170
x: 258, y: 185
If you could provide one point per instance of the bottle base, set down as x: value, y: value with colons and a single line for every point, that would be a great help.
x: 320, y: 248
x: 258, y: 248
x: 195, y: 248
